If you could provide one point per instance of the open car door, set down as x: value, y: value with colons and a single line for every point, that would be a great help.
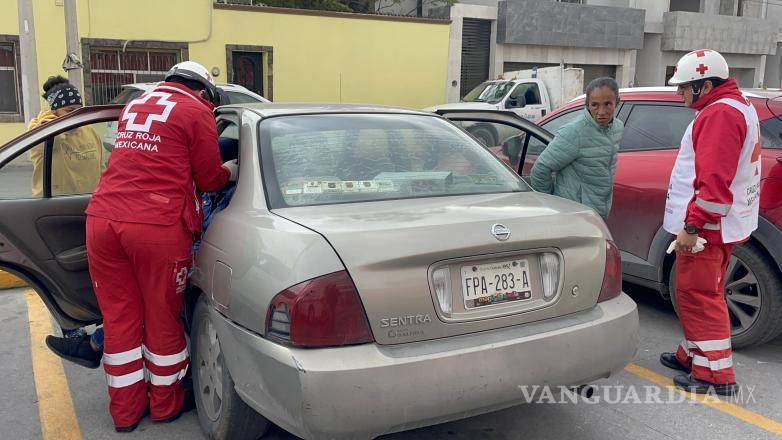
x: 515, y: 140
x: 47, y: 176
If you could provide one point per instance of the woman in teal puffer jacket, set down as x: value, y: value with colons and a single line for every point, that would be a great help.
x: 580, y: 162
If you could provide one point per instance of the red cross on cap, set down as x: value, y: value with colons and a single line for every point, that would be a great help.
x: 700, y: 53
x: 156, y: 107
x: 702, y: 69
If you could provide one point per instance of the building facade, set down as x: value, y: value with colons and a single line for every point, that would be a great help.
x: 282, y: 54
x: 635, y: 41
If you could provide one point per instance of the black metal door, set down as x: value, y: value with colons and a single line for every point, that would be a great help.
x: 476, y: 40
x: 248, y: 71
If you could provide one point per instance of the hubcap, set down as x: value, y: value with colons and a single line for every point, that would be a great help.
x: 742, y: 293
x: 210, y: 370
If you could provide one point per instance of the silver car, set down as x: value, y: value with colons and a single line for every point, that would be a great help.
x: 377, y: 270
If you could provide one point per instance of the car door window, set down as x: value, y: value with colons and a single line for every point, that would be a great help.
x: 78, y: 159
x: 536, y: 146
x: 655, y: 127
x: 240, y: 98
x: 528, y: 91
x: 16, y: 179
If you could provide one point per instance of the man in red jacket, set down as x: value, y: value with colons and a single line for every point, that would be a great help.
x: 713, y: 194
x: 141, y: 223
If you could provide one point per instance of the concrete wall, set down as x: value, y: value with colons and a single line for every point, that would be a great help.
x: 773, y: 74
x: 650, y: 63
x: 533, y: 22
x: 684, y: 31
x: 316, y: 57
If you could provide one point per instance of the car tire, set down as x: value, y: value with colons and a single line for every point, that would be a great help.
x: 763, y: 324
x: 485, y: 133
x: 221, y: 412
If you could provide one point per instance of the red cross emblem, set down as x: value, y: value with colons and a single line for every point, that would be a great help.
x: 153, y: 106
x: 700, y: 53
x: 702, y: 69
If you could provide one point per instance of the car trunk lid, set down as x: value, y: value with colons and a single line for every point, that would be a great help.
x: 392, y: 250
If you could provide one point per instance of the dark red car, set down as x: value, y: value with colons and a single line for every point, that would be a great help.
x: 655, y: 120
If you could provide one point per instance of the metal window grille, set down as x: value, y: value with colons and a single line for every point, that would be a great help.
x: 112, y: 68
x: 9, y: 87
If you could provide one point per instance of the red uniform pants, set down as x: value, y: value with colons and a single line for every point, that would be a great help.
x: 703, y: 313
x: 139, y: 273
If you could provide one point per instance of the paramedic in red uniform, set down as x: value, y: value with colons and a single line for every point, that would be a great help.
x: 141, y: 223
x: 713, y: 194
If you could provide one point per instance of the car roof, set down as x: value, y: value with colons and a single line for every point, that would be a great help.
x: 658, y: 94
x: 267, y: 110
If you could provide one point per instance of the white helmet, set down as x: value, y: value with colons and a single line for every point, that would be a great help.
x: 196, y: 72
x: 699, y: 64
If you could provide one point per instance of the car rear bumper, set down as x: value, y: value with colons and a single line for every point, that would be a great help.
x: 367, y: 390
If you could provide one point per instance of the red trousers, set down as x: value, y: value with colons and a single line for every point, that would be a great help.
x: 139, y: 273
x: 703, y: 313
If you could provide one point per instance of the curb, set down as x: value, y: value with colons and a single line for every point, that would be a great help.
x: 8, y: 281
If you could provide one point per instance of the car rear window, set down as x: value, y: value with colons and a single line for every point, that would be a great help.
x: 771, y: 132
x: 327, y: 159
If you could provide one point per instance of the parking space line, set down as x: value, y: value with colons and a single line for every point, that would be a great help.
x: 55, y: 405
x: 713, y: 402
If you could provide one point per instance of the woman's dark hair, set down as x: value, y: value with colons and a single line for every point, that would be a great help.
x: 54, y: 84
x: 602, y: 82
x: 189, y: 83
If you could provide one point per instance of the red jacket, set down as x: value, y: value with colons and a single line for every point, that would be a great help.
x: 165, y: 153
x: 718, y: 136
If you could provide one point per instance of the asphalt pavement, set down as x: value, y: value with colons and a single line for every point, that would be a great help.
x: 634, y: 404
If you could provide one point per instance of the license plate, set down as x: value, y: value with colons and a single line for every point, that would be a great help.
x: 494, y: 283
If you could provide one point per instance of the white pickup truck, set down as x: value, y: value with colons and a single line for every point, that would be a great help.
x: 530, y: 94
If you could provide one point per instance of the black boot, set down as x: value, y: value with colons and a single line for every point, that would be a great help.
x: 689, y: 383
x: 75, y: 349
x: 670, y: 361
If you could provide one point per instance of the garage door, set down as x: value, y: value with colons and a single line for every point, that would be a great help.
x: 476, y: 39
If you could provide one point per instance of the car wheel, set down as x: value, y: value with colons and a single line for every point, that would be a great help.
x: 485, y: 134
x: 753, y: 292
x: 221, y: 412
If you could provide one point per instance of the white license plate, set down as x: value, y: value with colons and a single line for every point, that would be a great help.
x: 493, y: 283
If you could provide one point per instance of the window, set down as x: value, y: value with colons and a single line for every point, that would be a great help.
x: 240, y: 98
x: 771, y: 133
x: 685, y: 5
x: 324, y: 159
x: 529, y: 91
x: 15, y: 178
x: 490, y: 91
x: 78, y: 159
x: 250, y: 67
x: 655, y: 127
x: 110, y: 64
x: 111, y: 68
x: 10, y: 84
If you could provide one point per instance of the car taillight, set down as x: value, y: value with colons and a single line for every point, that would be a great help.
x: 322, y: 312
x: 612, y: 278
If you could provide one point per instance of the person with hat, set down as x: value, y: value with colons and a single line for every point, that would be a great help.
x: 77, y: 155
x: 141, y: 224
x: 712, y: 205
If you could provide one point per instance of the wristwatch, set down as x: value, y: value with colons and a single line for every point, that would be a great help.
x: 691, y: 229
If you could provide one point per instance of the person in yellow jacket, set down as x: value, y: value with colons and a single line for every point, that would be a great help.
x: 77, y: 154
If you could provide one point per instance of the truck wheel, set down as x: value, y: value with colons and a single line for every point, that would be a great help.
x: 753, y: 292
x: 221, y: 412
x: 485, y: 133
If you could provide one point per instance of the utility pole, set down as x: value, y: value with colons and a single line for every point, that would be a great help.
x: 29, y: 60
x: 72, y: 45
